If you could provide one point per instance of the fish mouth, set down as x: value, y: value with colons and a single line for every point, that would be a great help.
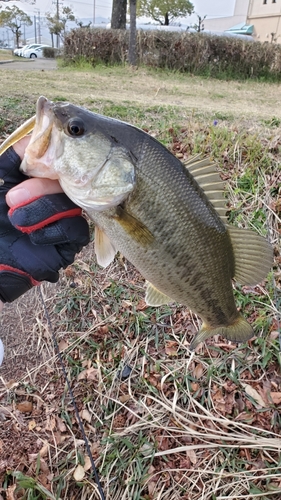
x: 43, y: 146
x: 41, y: 134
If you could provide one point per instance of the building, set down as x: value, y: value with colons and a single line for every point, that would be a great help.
x: 237, y: 16
x: 265, y: 15
x: 259, y: 18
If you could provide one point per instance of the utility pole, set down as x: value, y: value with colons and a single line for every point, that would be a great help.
x: 38, y: 23
x: 58, y: 16
x: 35, y: 29
x: 39, y: 26
x: 94, y: 12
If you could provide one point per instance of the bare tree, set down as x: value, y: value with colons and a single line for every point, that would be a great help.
x: 199, y: 26
x: 118, y: 14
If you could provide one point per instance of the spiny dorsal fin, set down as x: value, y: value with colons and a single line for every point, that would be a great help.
x: 253, y: 255
x: 206, y: 174
x: 105, y: 252
x: 135, y: 228
x: 155, y: 298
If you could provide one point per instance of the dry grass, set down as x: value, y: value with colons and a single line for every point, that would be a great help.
x: 184, y: 93
x: 6, y: 55
x: 204, y: 426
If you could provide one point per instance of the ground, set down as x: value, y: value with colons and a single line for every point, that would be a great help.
x: 161, y: 423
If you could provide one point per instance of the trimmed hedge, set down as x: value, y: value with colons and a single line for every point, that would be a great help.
x: 195, y: 53
x: 50, y: 52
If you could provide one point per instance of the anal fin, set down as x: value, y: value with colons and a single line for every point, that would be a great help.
x: 155, y: 298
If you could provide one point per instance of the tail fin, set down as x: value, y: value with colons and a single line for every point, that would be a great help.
x: 239, y: 331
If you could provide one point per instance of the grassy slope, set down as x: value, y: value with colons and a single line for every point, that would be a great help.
x: 5, y: 54
x: 200, y: 428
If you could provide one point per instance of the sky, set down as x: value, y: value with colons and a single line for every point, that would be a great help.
x: 100, y: 10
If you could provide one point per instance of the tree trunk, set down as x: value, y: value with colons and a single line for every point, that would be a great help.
x: 118, y: 14
x: 133, y: 33
x: 18, y: 34
x: 167, y: 22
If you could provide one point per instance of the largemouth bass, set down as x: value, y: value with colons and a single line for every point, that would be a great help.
x: 166, y: 218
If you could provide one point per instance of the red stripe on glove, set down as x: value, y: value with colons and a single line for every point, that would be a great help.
x: 3, y: 267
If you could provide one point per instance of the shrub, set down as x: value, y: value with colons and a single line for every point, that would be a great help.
x: 50, y: 52
x: 196, y: 53
x: 97, y: 45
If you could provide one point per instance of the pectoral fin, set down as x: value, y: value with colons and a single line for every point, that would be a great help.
x: 154, y: 297
x: 135, y: 228
x: 253, y: 255
x: 105, y: 252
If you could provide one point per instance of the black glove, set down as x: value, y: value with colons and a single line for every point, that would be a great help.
x: 38, y: 237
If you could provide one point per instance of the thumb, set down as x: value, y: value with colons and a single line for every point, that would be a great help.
x: 31, y: 188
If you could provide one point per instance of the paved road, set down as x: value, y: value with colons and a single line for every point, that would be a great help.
x: 30, y: 64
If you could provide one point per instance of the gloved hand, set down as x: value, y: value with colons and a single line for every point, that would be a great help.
x: 37, y: 237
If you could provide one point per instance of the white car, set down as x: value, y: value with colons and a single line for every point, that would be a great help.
x: 34, y: 52
x: 31, y: 46
x: 18, y: 51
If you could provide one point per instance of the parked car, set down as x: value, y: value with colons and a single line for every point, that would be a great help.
x: 18, y: 51
x: 31, y: 46
x: 35, y: 52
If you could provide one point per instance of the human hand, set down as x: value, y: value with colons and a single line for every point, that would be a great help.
x: 42, y: 231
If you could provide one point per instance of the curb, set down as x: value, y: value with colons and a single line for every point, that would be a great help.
x: 8, y: 61
x: 17, y: 60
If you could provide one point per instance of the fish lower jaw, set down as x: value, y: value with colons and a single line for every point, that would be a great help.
x: 38, y: 169
x: 91, y: 207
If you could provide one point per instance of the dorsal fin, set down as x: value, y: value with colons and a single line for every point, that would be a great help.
x: 153, y: 297
x: 253, y: 255
x: 206, y: 174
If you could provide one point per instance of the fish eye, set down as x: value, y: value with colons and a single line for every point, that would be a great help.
x: 75, y: 127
